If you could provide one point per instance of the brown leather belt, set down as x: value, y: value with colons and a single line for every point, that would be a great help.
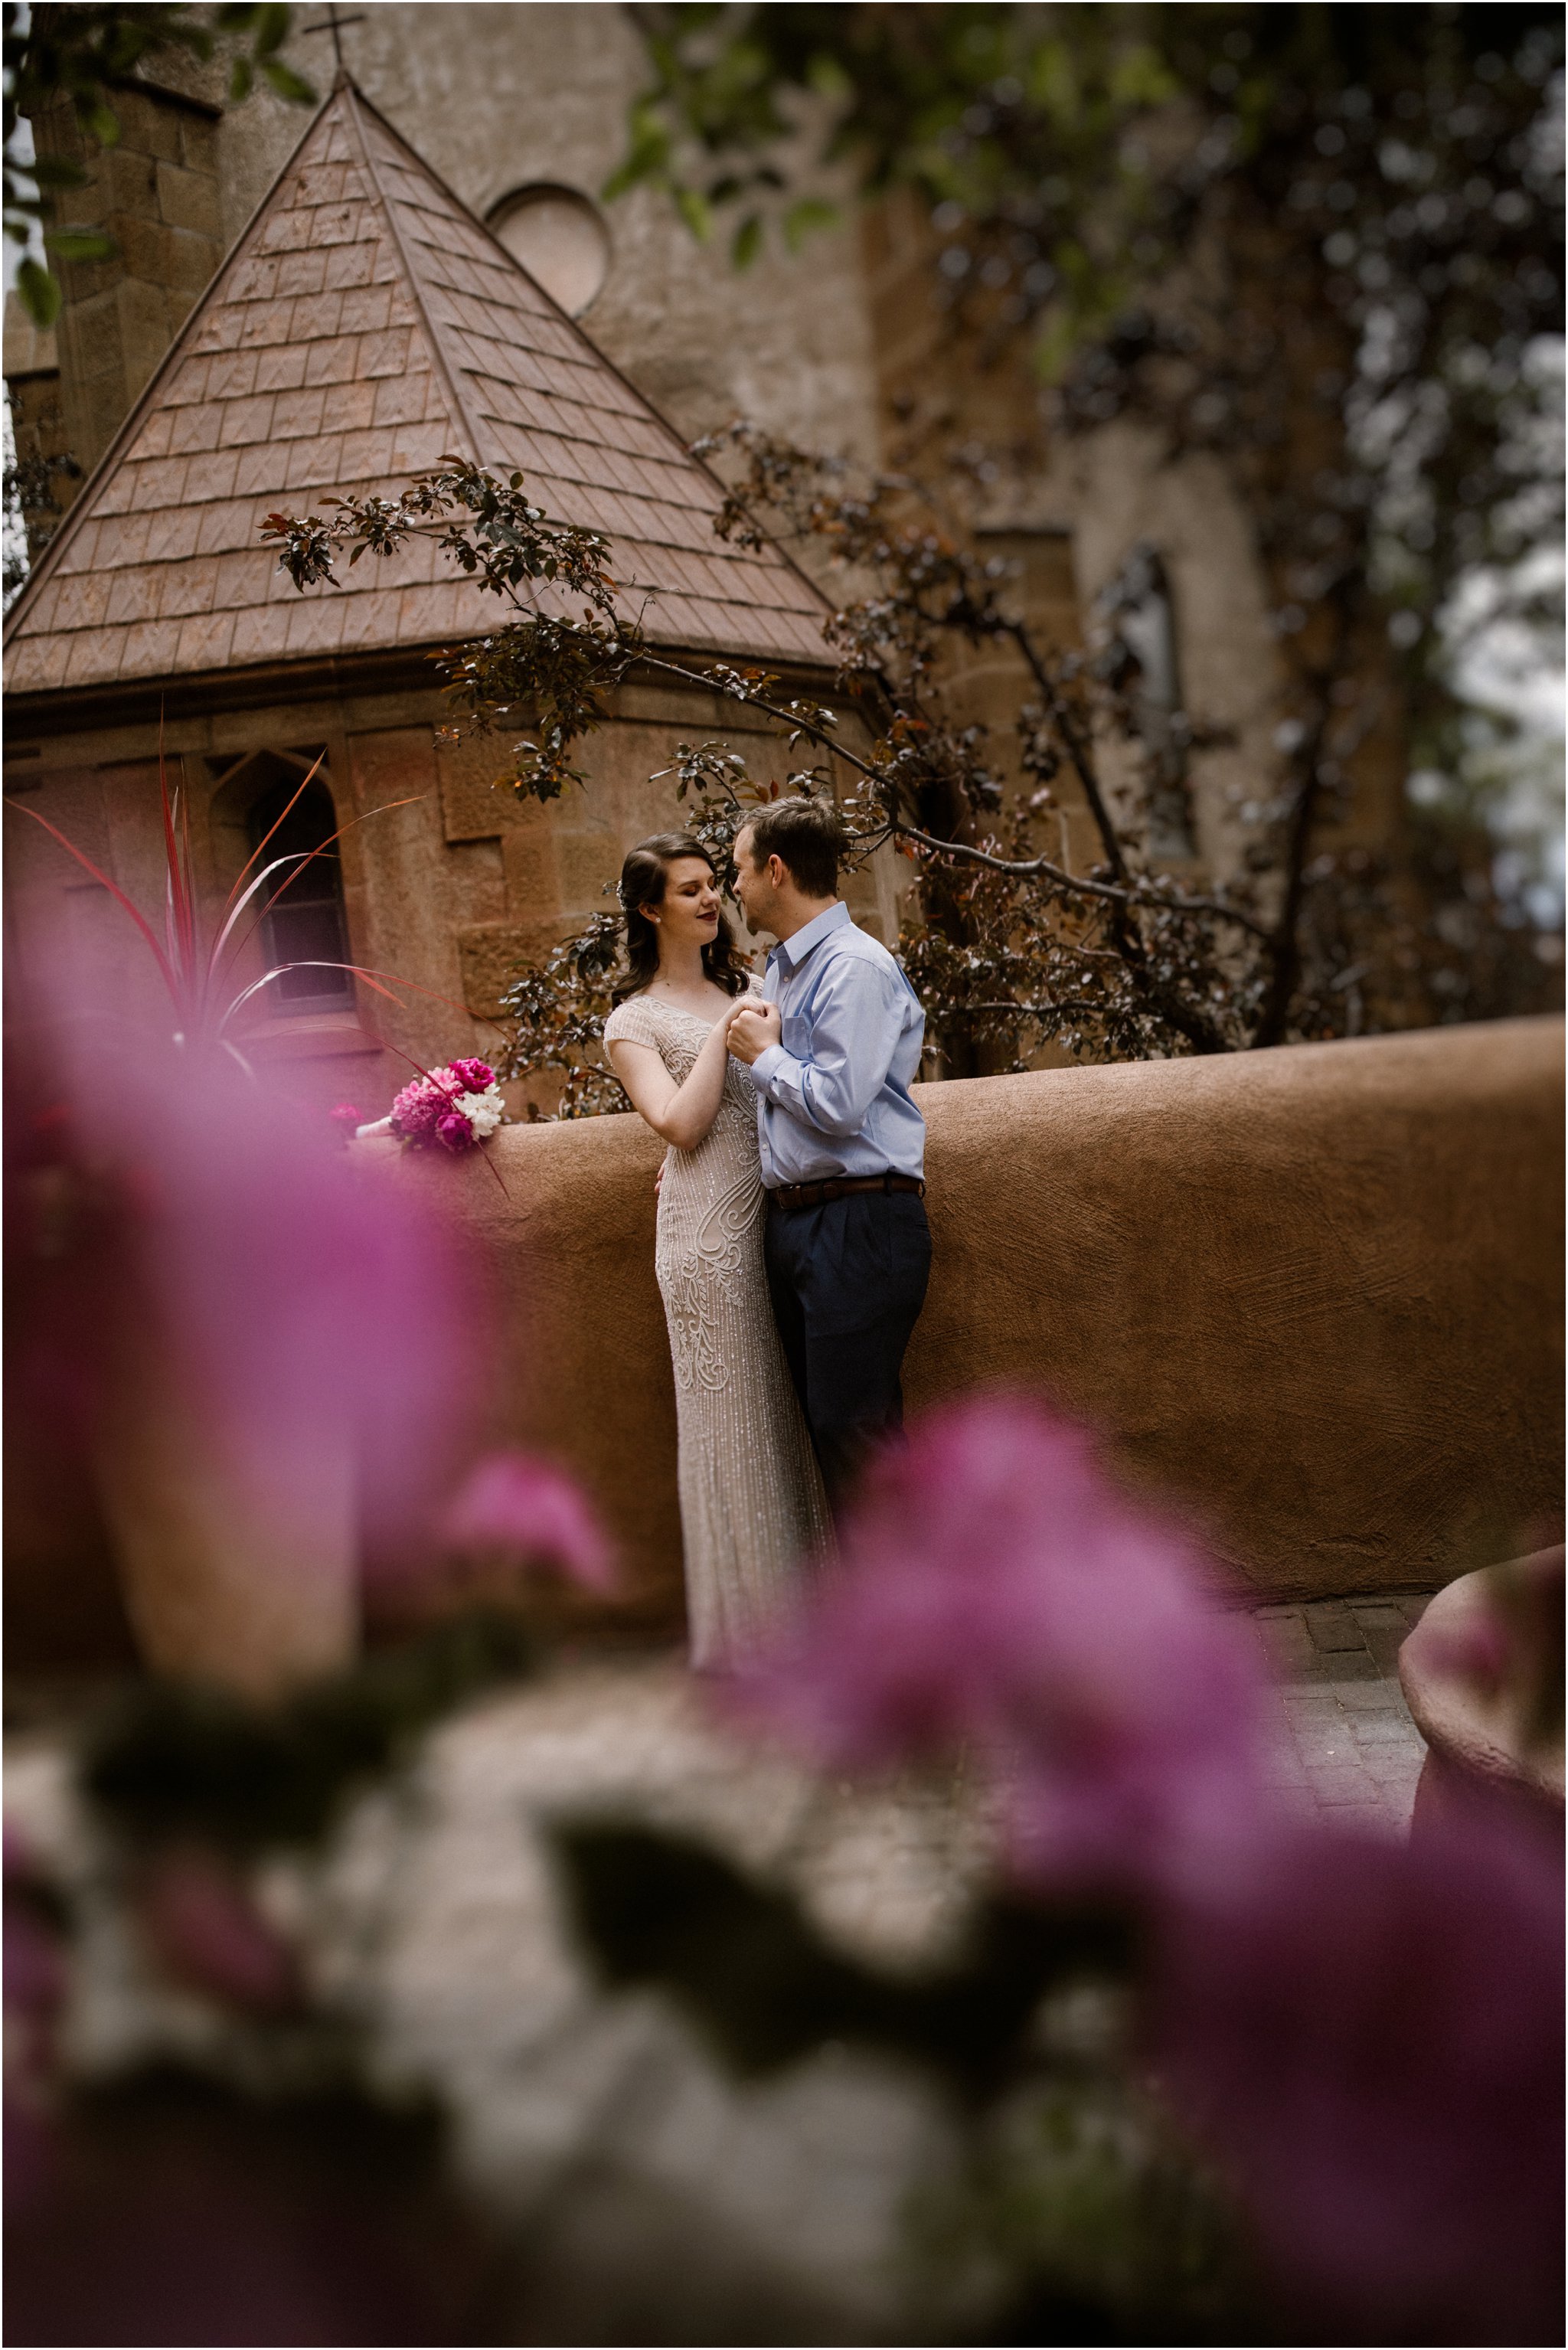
x: 839, y: 1187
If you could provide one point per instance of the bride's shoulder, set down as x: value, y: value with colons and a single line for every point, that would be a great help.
x: 631, y: 1022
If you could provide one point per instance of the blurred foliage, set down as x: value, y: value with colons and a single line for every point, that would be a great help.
x: 180, y: 1759
x: 277, y: 2159
x: 81, y: 55
x: 29, y: 481
x: 1076, y: 2216
x: 766, y: 1990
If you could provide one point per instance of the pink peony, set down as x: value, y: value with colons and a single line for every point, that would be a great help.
x: 426, y: 1112
x: 417, y: 1109
x: 522, y: 1508
x: 998, y: 1595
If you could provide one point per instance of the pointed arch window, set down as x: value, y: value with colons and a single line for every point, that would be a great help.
x: 1138, y: 606
x: 304, y: 929
x: 304, y: 926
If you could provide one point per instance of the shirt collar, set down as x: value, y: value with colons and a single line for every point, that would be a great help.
x: 792, y: 951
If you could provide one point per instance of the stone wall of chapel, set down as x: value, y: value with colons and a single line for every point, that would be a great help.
x: 450, y: 889
x: 158, y: 194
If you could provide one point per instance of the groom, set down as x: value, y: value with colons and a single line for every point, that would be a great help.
x: 833, y: 1051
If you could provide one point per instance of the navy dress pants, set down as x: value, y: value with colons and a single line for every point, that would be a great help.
x: 847, y: 1281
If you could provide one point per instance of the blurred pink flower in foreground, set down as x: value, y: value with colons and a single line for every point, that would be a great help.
x: 998, y: 1593
x: 179, y: 1230
x: 1369, y: 2039
x: 515, y: 1506
x: 35, y: 1995
x: 201, y: 1924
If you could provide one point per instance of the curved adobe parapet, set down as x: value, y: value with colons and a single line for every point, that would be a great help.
x: 1315, y: 1292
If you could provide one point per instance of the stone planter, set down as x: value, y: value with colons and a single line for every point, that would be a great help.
x: 1469, y: 1672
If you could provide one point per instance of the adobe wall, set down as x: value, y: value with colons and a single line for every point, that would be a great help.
x: 1314, y: 1293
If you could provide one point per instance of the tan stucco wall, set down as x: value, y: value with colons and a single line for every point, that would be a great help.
x: 1314, y: 1293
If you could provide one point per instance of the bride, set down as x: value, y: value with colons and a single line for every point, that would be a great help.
x: 751, y: 1503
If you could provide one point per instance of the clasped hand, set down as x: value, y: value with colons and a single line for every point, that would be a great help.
x: 754, y: 1026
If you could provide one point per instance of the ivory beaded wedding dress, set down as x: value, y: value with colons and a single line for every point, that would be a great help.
x: 751, y: 1503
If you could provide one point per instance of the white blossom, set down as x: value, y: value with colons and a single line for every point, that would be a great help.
x: 484, y: 1112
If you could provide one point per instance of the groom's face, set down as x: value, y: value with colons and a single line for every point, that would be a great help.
x: 754, y: 885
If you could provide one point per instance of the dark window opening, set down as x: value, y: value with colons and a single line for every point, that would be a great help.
x: 1138, y: 606
x: 304, y: 926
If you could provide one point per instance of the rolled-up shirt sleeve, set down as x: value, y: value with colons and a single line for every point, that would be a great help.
x: 857, y: 1019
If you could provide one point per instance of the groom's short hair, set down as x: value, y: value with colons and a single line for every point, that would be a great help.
x: 807, y: 837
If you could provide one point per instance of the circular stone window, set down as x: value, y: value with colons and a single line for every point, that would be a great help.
x: 560, y: 240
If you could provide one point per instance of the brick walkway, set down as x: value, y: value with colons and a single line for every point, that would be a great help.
x: 1347, y: 1743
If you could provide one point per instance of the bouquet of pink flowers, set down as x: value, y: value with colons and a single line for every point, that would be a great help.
x: 458, y: 1106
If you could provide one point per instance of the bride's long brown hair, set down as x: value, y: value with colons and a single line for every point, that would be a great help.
x: 643, y: 879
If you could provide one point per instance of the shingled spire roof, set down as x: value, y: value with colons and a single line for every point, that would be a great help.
x: 365, y: 326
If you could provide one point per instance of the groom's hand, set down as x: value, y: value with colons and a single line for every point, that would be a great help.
x: 752, y: 1028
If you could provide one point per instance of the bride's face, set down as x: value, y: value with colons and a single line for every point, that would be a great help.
x: 688, y: 914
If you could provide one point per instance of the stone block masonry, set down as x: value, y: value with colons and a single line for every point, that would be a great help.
x: 157, y: 195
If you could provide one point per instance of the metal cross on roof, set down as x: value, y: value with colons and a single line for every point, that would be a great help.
x: 337, y: 26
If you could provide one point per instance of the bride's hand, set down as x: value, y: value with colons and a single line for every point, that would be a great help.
x: 754, y: 1026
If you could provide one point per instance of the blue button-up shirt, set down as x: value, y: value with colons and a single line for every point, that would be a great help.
x: 832, y: 1098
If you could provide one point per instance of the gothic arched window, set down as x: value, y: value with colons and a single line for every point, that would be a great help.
x: 1137, y: 606
x: 304, y: 924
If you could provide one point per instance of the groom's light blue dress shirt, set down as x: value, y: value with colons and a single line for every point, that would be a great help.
x: 832, y: 1098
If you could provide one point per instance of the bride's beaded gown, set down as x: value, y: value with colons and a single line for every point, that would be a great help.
x: 751, y: 1503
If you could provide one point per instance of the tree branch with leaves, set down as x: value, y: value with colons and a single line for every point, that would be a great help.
x: 1011, y: 948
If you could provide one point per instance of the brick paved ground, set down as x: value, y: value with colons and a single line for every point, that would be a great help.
x: 1347, y: 1743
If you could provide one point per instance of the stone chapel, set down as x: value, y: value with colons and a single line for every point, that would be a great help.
x: 364, y: 325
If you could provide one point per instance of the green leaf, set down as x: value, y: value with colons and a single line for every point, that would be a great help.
x: 692, y: 206
x: 804, y: 218
x: 286, y: 82
x: 647, y: 158
x: 103, y: 123
x: 79, y: 244
x: 40, y: 292
x: 272, y: 23
x: 56, y: 171
x: 240, y: 80
x: 747, y: 242
x: 1139, y: 77
x: 827, y: 77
